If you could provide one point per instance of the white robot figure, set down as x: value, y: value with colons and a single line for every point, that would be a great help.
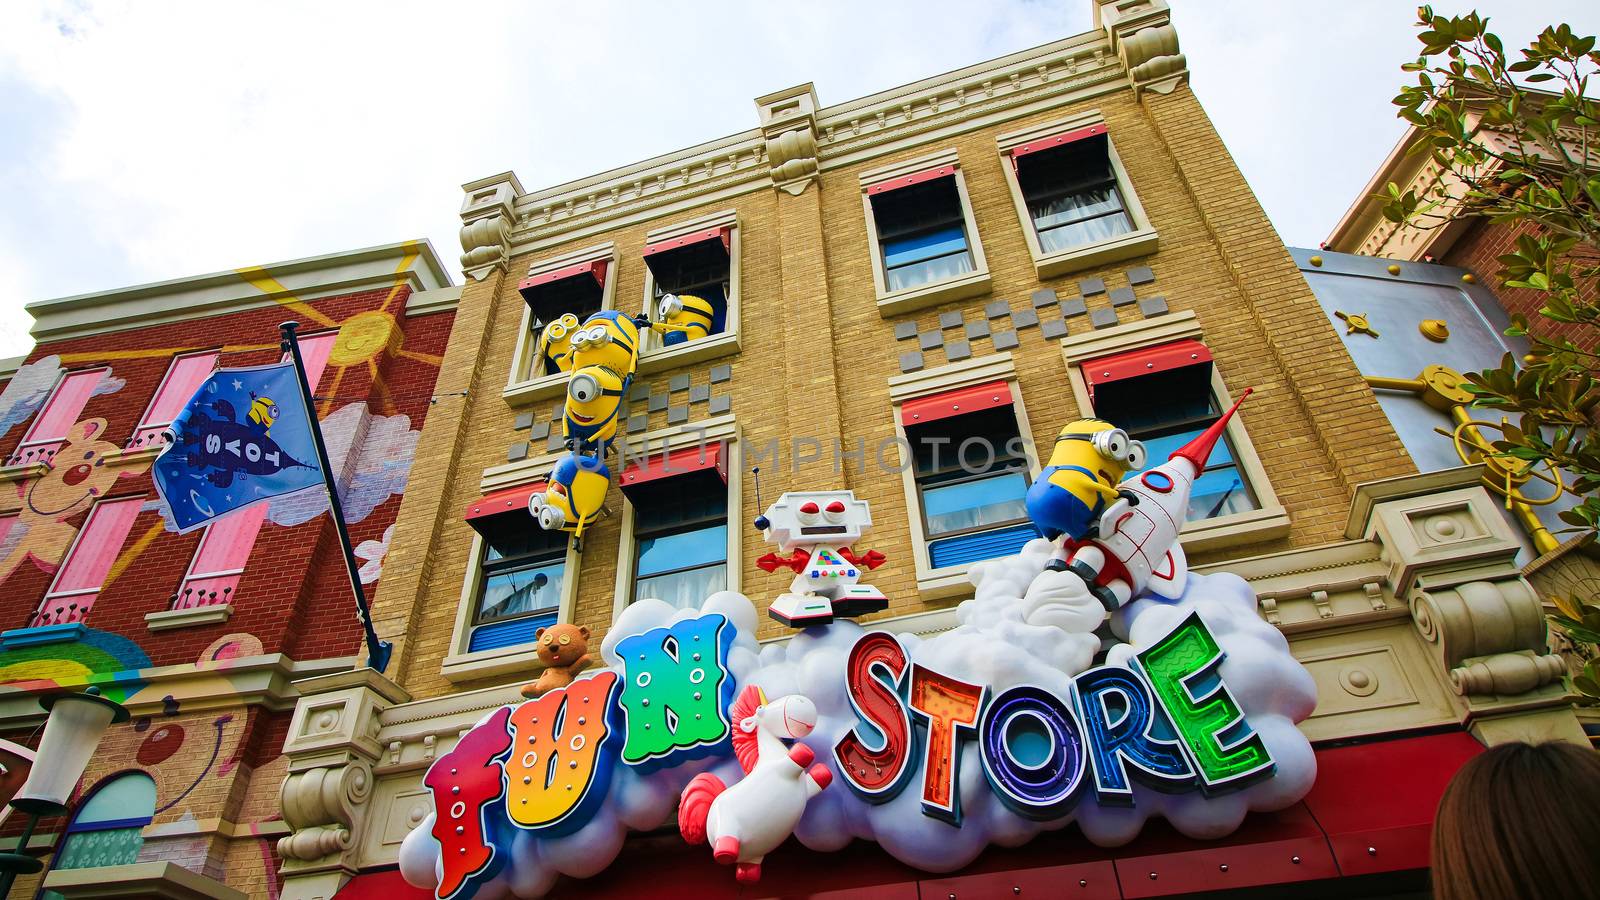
x: 815, y: 530
x: 1137, y: 547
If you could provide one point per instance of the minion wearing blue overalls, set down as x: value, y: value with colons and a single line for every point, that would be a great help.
x: 1090, y: 458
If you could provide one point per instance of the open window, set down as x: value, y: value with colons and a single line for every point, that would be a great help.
x: 696, y: 265
x: 679, y: 506
x: 575, y: 284
x: 184, y: 377
x: 1076, y: 202
x: 924, y: 239
x: 522, y: 572
x: 56, y: 417
x: 88, y: 561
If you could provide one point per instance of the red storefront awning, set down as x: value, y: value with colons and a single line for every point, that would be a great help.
x: 1370, y: 811
x: 721, y: 235
x: 932, y: 408
x: 503, y: 501
x: 677, y: 462
x: 900, y: 181
x: 1056, y: 140
x: 1144, y: 361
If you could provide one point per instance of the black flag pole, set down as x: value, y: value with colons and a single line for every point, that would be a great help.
x: 377, y: 650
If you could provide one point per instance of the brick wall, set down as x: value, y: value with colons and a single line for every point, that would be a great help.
x: 1479, y: 251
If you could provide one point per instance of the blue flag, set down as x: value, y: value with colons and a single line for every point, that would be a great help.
x: 244, y: 437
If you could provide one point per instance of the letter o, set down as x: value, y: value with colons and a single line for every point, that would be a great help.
x: 1043, y: 789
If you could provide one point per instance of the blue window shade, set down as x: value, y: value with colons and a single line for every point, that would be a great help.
x: 907, y: 250
x: 973, y: 504
x: 509, y: 633
x: 967, y: 548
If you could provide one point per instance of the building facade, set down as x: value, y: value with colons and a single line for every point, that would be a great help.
x: 986, y: 254
x: 200, y: 635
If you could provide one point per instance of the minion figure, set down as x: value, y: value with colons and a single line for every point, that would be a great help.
x: 683, y: 318
x: 610, y: 339
x: 573, y: 496
x: 1090, y: 459
x: 263, y: 410
x: 594, y: 404
x: 555, y: 344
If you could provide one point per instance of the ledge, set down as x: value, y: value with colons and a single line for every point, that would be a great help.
x: 942, y: 584
x: 922, y: 296
x: 1251, y: 527
x: 523, y: 393
x: 168, y: 619
x: 1086, y: 256
x: 463, y: 667
x: 137, y: 454
x: 22, y: 472
x: 661, y: 359
x: 42, y: 634
x: 164, y: 880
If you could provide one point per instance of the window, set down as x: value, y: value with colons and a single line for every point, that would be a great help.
x: 314, y: 353
x: 108, y: 829
x: 219, y: 562
x: 88, y: 562
x: 1162, y: 395
x: 1071, y: 190
x: 177, y: 387
x: 680, y: 530
x: 576, y: 284
x: 59, y: 413
x: 522, y: 570
x: 1076, y: 202
x: 971, y: 476
x: 923, y: 236
x: 697, y: 265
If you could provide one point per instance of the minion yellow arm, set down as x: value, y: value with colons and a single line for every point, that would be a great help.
x: 1065, y: 480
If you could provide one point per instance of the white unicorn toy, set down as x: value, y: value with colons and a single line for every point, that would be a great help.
x: 749, y: 820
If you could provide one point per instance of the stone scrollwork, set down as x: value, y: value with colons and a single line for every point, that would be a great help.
x: 484, y: 242
x: 1490, y: 635
x: 1142, y: 32
x: 322, y: 806
x: 789, y: 132
x: 792, y: 157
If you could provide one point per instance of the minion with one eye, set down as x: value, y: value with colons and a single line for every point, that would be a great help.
x: 263, y: 410
x: 607, y: 338
x: 574, y: 495
x: 555, y: 343
x: 1090, y: 458
x: 683, y: 318
x: 594, y: 403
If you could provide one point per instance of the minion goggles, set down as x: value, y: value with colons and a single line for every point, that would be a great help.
x: 1112, y: 443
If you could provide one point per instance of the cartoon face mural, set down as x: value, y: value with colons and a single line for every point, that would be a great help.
x: 77, y: 476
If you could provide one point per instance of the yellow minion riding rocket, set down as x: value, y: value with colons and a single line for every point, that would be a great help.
x: 555, y: 343
x: 683, y: 318
x: 1090, y: 458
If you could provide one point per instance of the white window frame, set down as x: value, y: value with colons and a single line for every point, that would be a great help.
x: 950, y: 581
x: 143, y: 423
x: 521, y: 388
x: 653, y: 356
x: 1271, y: 520
x: 461, y: 665
x: 33, y: 420
x: 1141, y: 241
x: 721, y: 429
x: 968, y: 284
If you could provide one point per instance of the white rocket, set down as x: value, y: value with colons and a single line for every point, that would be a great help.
x: 1137, y: 547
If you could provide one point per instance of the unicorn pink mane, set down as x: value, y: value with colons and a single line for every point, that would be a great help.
x: 745, y: 745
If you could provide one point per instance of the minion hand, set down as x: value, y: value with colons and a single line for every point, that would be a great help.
x: 1130, y: 496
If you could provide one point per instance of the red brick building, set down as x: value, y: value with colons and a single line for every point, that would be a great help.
x: 199, y: 634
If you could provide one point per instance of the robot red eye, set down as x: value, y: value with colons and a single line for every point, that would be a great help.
x: 809, y: 508
x: 836, y: 507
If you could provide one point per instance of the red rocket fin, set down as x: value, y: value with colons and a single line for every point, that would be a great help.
x: 1171, y: 574
x: 1198, y: 451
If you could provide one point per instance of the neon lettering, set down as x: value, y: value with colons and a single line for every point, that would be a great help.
x: 1125, y: 726
x: 873, y: 756
x: 1033, y: 752
x: 950, y: 709
x: 559, y: 766
x: 677, y: 693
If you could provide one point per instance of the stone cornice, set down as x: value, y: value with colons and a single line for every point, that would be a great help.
x: 977, y: 96
x: 218, y: 293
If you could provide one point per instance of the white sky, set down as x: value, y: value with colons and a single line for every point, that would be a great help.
x: 140, y: 142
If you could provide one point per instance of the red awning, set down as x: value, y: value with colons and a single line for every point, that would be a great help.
x: 932, y: 408
x: 710, y: 234
x: 677, y: 462
x: 1055, y: 140
x: 1144, y: 361
x: 898, y: 182
x: 388, y: 885
x: 594, y: 268
x: 508, y: 500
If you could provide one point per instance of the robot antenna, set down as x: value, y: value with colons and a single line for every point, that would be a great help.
x: 761, y: 523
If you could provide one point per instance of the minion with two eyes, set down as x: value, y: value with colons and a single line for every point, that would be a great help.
x: 683, y: 318
x: 610, y: 339
x: 574, y: 495
x: 1091, y: 457
x: 555, y: 343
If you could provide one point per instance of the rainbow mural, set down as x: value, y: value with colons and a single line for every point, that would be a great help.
x: 101, y: 658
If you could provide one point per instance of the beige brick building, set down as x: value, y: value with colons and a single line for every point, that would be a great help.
x: 999, y: 235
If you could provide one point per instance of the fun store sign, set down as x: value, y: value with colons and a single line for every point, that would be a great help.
x: 1003, y: 725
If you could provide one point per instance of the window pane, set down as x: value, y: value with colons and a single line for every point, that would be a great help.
x: 972, y: 504
x: 901, y: 251
x: 1079, y: 233
x: 1161, y: 447
x: 684, y: 590
x: 1219, y: 492
x: 1072, y: 207
x: 511, y: 536
x: 682, y: 550
x: 521, y: 591
x: 930, y: 271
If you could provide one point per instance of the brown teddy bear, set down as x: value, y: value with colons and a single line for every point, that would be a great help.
x: 564, y: 650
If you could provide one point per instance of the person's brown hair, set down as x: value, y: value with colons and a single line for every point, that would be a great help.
x: 1520, y: 821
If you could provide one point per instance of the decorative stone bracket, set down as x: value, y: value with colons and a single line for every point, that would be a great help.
x: 332, y: 747
x: 1142, y: 33
x: 789, y: 126
x: 1490, y: 635
x: 486, y: 218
